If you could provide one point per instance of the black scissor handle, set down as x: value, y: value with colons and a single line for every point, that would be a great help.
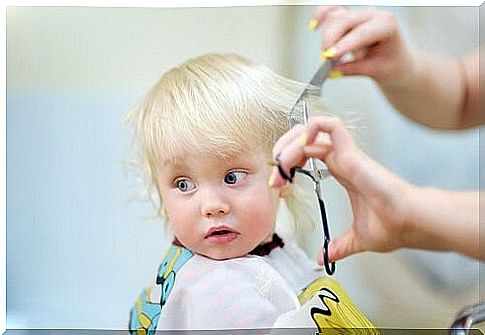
x: 329, y: 266
x: 282, y: 171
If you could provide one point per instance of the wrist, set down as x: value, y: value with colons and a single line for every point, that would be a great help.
x: 427, y: 220
x: 406, y: 71
x: 410, y: 212
x: 392, y: 199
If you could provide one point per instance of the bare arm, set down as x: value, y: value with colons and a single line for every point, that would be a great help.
x: 443, y: 220
x: 435, y: 91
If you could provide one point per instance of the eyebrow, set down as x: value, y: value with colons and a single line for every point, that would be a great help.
x: 174, y: 162
x: 171, y: 169
x: 237, y: 158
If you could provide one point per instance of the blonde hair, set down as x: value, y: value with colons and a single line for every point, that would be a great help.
x: 223, y: 104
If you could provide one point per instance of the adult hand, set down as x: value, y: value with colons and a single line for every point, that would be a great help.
x: 373, y: 36
x: 433, y: 90
x: 376, y: 196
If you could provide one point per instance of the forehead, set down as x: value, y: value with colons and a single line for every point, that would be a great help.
x: 193, y: 159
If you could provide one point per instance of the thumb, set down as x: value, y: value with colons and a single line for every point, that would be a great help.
x: 343, y: 246
x: 358, y: 67
x: 334, y: 251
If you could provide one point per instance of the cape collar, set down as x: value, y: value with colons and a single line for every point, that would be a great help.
x: 260, y: 250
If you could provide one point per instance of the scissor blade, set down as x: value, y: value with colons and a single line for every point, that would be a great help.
x: 322, y: 73
x: 314, y: 87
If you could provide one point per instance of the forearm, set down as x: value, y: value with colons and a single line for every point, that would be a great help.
x: 443, y: 220
x: 435, y: 92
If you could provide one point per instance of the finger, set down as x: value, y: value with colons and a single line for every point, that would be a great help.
x: 296, y: 153
x: 322, y: 12
x: 364, y: 35
x: 334, y: 127
x: 368, y: 67
x: 320, y: 150
x: 359, y: 54
x: 339, y: 246
x: 340, y: 24
x: 321, y: 140
x: 343, y: 158
x: 293, y: 154
x: 320, y: 256
x: 287, y: 138
x: 352, y: 65
x: 343, y: 246
x: 276, y: 179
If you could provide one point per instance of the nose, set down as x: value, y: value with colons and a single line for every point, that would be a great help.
x: 213, y: 204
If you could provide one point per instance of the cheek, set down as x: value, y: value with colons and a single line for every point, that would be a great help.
x: 173, y: 208
x: 179, y: 218
x: 262, y: 208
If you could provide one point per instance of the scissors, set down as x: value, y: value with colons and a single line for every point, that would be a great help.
x: 313, y: 90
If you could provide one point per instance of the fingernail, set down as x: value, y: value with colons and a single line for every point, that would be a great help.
x: 322, y: 56
x: 334, y: 74
x: 303, y: 139
x: 329, y: 53
x: 271, y: 179
x: 312, y: 24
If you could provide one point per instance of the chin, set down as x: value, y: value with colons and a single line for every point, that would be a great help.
x: 221, y: 256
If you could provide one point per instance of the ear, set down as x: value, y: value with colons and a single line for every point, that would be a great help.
x: 162, y: 212
x: 285, y: 191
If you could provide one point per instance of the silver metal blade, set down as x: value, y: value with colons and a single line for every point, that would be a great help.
x: 322, y: 73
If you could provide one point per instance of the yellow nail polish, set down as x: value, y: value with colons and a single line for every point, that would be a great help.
x: 302, y: 139
x: 322, y: 56
x: 330, y: 52
x: 271, y: 179
x: 312, y: 24
x: 334, y: 74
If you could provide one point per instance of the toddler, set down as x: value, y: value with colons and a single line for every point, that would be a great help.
x: 206, y: 132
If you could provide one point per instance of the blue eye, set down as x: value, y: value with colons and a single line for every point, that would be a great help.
x: 234, y: 177
x: 184, y: 185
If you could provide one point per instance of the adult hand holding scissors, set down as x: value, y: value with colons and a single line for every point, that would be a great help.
x: 434, y: 90
x: 388, y: 212
x: 373, y: 37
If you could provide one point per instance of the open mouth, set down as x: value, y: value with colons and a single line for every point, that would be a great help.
x: 220, y: 232
x: 221, y: 235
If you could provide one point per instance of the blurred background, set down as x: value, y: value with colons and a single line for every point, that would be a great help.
x: 80, y: 245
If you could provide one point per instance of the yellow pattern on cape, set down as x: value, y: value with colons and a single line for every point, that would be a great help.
x: 341, y: 314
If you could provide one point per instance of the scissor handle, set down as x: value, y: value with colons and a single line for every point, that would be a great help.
x: 329, y: 267
x: 315, y: 174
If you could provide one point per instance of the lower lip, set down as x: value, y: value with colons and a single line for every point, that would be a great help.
x: 222, y: 239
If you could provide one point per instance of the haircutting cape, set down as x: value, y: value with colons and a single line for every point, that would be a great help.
x: 195, y: 292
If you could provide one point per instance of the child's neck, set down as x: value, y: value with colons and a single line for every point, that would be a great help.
x: 263, y: 249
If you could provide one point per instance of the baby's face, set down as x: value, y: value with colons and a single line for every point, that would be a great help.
x: 219, y: 208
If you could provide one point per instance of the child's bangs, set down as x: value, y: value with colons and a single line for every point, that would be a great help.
x: 212, y: 125
x: 219, y: 106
